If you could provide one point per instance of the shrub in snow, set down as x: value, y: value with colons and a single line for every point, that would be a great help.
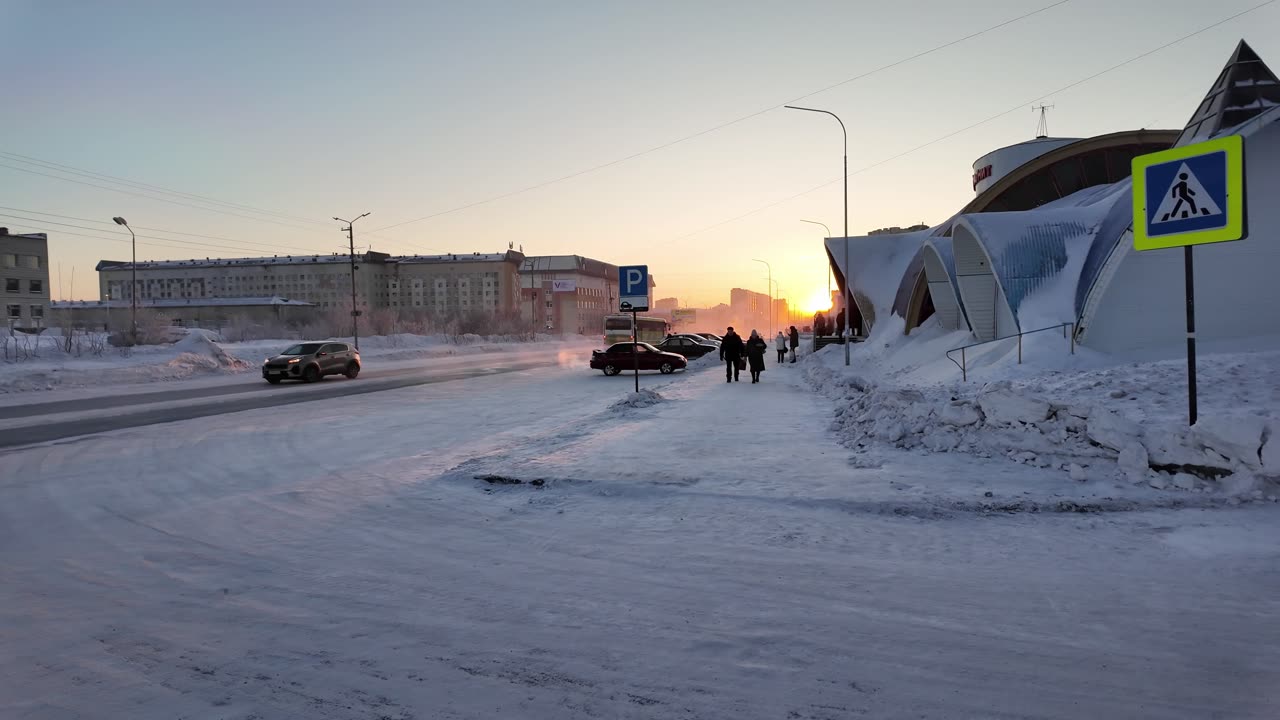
x: 1237, y: 437
x: 1110, y: 430
x: 1003, y: 406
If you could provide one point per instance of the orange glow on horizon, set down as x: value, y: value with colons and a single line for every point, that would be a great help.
x: 819, y: 301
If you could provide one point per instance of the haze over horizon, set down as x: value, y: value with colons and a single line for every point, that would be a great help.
x: 436, y: 119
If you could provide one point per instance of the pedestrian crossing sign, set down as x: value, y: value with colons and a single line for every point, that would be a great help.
x: 1190, y: 195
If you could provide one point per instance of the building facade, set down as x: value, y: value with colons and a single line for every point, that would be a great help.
x: 209, y: 313
x: 568, y: 294
x: 440, y: 285
x: 24, y: 265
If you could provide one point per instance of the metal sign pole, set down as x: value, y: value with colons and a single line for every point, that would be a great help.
x: 635, y: 350
x: 1191, y: 333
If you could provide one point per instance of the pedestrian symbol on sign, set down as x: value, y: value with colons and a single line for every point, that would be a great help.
x: 1186, y: 198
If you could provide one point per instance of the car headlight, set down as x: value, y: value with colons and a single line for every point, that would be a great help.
x: 295, y: 360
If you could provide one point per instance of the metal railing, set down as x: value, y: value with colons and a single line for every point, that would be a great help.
x: 1068, y: 331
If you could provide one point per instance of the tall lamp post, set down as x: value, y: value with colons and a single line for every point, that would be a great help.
x: 133, y: 282
x: 770, y: 267
x: 824, y: 227
x: 848, y: 288
x: 355, y: 311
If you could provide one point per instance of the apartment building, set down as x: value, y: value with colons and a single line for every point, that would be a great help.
x: 445, y: 285
x: 24, y: 267
x: 568, y: 293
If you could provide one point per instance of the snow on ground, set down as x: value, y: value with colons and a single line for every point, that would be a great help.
x: 1107, y: 422
x: 512, y: 547
x: 201, y: 355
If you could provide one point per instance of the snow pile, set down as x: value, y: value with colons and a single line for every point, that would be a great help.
x: 198, y: 351
x: 1089, y: 436
x: 643, y: 399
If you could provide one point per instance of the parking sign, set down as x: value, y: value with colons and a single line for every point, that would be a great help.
x: 633, y: 288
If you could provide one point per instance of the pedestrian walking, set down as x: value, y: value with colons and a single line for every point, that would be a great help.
x: 756, y: 349
x: 780, y: 344
x: 795, y: 342
x: 733, y: 352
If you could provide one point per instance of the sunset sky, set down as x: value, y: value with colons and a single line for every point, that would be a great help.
x: 414, y: 110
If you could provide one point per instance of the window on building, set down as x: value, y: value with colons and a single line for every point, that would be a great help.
x: 30, y: 261
x: 35, y: 286
x: 9, y: 260
x: 13, y: 311
x: 12, y: 285
x: 37, y: 311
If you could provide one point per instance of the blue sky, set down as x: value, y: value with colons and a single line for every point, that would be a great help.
x: 407, y: 109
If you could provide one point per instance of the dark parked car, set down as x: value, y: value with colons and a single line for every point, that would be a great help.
x: 311, y: 361
x: 710, y: 336
x: 617, y: 358
x: 688, y: 347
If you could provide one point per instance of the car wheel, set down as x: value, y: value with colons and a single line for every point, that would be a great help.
x: 352, y: 371
x: 274, y: 381
x: 611, y: 370
x: 311, y: 374
x: 667, y: 368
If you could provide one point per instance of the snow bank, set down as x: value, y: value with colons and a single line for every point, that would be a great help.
x: 1119, y: 424
x: 643, y: 399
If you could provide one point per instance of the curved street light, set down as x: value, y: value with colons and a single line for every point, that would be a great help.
x: 824, y: 227
x: 848, y: 305
x: 133, y: 281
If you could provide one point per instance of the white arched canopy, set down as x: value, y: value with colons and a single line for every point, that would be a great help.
x: 946, y: 301
x: 988, y: 310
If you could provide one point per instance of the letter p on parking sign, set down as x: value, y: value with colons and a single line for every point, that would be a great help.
x: 633, y: 288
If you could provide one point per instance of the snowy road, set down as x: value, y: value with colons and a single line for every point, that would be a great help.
x: 36, y: 422
x: 713, y: 556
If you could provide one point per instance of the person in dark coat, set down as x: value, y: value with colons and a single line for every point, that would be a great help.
x: 756, y: 350
x: 731, y: 351
x: 795, y: 342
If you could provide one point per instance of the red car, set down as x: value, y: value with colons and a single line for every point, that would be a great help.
x: 618, y: 358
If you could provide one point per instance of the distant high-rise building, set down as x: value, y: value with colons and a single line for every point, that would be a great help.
x: 666, y: 304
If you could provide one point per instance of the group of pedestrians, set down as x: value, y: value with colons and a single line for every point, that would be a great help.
x: 740, y: 355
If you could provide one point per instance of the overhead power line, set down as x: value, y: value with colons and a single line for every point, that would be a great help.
x: 723, y: 125
x: 1015, y: 108
x: 181, y: 244
x: 71, y: 169
x: 154, y: 197
x: 250, y: 243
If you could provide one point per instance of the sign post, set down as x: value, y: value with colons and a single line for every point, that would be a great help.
x: 633, y: 297
x: 1185, y: 197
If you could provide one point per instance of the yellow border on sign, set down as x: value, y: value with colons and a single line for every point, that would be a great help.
x: 1233, y: 146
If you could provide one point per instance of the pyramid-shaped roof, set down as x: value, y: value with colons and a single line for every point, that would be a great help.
x: 1246, y: 87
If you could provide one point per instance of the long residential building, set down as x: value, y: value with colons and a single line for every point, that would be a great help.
x: 24, y: 264
x: 443, y: 285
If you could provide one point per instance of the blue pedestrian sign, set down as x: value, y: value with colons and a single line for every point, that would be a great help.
x: 633, y: 288
x: 1189, y: 195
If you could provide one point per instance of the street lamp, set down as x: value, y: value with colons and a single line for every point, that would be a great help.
x: 770, y: 267
x: 824, y: 227
x: 848, y: 288
x: 133, y: 282
x: 355, y: 311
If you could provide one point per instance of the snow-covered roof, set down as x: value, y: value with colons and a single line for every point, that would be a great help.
x: 307, y: 260
x: 450, y: 258
x: 878, y: 264
x: 274, y: 301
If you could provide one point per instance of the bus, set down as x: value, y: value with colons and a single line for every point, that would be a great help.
x: 617, y: 328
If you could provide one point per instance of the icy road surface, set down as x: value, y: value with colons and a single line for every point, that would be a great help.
x: 275, y: 564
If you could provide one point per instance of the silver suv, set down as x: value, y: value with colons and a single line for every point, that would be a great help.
x: 311, y: 361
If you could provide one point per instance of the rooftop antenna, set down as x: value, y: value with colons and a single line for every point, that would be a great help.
x: 1042, y: 129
